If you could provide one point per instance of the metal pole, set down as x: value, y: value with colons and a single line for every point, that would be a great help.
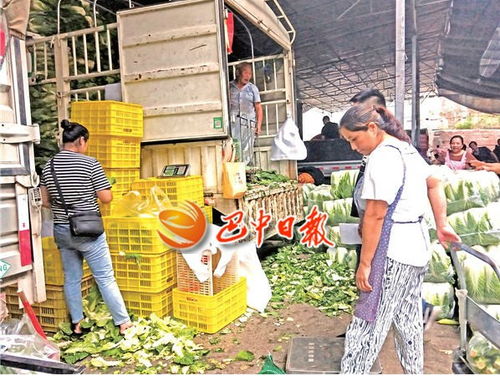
x: 415, y: 91
x: 400, y: 60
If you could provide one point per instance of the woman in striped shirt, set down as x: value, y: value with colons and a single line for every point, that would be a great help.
x: 82, y: 181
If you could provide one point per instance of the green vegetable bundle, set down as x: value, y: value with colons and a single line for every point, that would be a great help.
x: 339, y: 211
x: 439, y: 269
x: 440, y: 295
x: 342, y: 183
x: 481, y: 282
x: 482, y: 355
x: 475, y: 226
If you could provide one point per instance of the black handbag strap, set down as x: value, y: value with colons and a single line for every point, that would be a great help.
x: 56, y: 182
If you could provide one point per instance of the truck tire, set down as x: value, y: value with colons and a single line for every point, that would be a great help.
x: 316, y: 174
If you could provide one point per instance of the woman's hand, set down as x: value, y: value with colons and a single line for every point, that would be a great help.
x: 362, y: 275
x: 446, y: 235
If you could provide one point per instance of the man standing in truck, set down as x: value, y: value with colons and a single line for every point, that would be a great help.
x: 245, y: 111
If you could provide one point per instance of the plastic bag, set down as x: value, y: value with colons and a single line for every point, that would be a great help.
x: 258, y: 288
x: 287, y: 144
x: 482, y: 355
x: 269, y: 368
x: 19, y: 336
x: 233, y: 179
x: 132, y: 204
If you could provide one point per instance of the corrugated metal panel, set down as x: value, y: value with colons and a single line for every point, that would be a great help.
x: 172, y: 63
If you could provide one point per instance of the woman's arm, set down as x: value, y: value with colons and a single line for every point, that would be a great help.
x: 258, y: 113
x: 435, y: 192
x: 105, y: 196
x: 373, y: 220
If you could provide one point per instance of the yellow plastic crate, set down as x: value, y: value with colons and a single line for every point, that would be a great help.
x: 52, y: 311
x: 144, y: 273
x: 52, y: 263
x: 134, y: 235
x: 124, y: 178
x: 188, y: 282
x: 115, y: 152
x: 207, y: 210
x: 109, y: 118
x: 177, y: 189
x: 210, y: 314
x: 144, y: 304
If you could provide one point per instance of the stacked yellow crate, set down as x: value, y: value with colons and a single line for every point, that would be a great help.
x: 53, y: 311
x: 145, y: 268
x: 178, y: 189
x: 116, y: 130
x: 213, y: 304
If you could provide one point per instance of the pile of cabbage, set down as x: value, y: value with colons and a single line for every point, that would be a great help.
x: 473, y: 208
x: 336, y: 201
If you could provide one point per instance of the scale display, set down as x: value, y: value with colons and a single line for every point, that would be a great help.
x: 175, y: 170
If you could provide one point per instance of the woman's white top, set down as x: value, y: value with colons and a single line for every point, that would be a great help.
x: 409, y: 242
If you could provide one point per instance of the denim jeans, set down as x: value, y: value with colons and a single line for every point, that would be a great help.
x: 96, y: 252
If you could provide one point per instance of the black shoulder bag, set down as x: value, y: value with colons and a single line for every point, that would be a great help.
x: 85, y: 223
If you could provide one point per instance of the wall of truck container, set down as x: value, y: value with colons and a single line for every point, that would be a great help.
x: 20, y: 205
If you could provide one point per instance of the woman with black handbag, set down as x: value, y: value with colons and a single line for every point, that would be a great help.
x: 71, y: 183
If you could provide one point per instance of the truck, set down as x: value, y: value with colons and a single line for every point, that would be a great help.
x: 172, y: 59
x: 327, y: 156
x: 21, y: 259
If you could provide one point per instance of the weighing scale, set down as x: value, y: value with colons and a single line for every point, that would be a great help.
x: 312, y: 355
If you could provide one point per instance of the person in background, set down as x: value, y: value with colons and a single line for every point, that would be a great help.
x: 482, y: 153
x: 456, y: 157
x: 497, y: 149
x: 245, y: 111
x: 391, y: 197
x: 330, y: 130
x: 82, y: 181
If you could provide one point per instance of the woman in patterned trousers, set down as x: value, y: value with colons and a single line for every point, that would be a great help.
x: 391, y: 198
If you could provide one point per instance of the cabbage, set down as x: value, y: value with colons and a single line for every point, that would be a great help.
x: 306, y: 191
x: 482, y: 355
x: 318, y: 195
x: 481, y: 282
x: 440, y: 295
x: 343, y: 256
x: 462, y: 195
x: 342, y: 183
x: 486, y: 182
x: 475, y: 226
x: 339, y: 211
x: 439, y: 269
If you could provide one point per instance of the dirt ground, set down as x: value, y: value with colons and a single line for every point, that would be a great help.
x: 264, y: 335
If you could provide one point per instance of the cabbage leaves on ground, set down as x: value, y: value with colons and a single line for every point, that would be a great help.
x: 298, y: 274
x: 153, y: 345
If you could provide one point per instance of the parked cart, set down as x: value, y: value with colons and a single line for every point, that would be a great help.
x: 474, y: 317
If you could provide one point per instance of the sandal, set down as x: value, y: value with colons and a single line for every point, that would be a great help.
x: 74, y: 332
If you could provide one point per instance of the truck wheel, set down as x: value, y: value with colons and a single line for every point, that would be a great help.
x: 314, y: 172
